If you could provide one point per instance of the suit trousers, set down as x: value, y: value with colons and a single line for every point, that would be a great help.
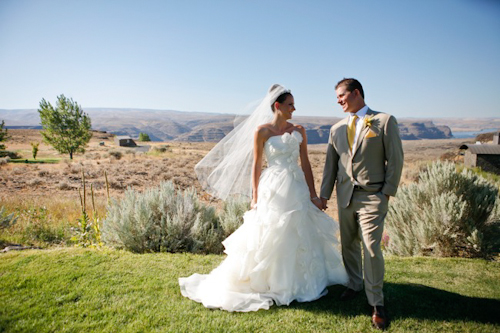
x: 363, y: 222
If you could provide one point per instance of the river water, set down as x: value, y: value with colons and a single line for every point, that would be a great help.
x: 472, y: 134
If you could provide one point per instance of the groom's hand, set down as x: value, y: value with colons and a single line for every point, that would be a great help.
x: 323, y: 204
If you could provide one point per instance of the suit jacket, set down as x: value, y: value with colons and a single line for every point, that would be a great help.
x: 376, y: 161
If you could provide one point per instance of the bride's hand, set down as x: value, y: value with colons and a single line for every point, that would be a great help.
x: 253, y: 204
x: 317, y: 202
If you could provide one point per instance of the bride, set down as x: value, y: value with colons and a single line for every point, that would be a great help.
x: 286, y: 248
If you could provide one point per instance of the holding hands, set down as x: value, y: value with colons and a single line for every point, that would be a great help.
x: 319, y: 202
x: 323, y: 203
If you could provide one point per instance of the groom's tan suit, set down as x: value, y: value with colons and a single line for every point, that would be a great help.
x: 365, y: 178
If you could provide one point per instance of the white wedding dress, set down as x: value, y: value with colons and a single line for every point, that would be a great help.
x: 285, y: 250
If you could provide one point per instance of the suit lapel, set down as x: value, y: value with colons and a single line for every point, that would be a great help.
x: 364, y: 131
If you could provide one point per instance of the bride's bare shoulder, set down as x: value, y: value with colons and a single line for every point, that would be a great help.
x: 267, y: 127
x: 263, y: 130
x: 299, y: 128
x: 263, y: 126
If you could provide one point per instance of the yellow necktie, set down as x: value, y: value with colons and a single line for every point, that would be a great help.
x: 351, y: 131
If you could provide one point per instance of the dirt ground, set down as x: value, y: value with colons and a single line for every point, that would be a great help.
x: 129, y: 167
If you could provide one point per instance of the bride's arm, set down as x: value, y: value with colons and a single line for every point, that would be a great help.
x: 258, y: 148
x: 306, y: 167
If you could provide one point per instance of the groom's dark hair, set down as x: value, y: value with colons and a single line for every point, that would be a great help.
x: 351, y: 85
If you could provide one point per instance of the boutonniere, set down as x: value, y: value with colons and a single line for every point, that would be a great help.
x: 368, y: 121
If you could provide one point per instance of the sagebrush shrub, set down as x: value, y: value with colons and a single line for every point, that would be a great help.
x: 446, y: 213
x: 116, y: 154
x: 35, y: 182
x: 64, y: 186
x: 10, y: 154
x: 231, y: 216
x: 162, y: 219
x: 6, y: 221
x: 162, y: 149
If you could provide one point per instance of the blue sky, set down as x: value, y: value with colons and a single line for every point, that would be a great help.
x: 422, y: 58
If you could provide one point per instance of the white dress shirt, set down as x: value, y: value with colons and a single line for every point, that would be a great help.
x: 361, y: 113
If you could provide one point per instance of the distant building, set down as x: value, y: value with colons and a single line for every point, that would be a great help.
x: 485, y: 156
x: 125, y: 141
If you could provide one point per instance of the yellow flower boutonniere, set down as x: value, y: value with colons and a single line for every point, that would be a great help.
x: 368, y: 121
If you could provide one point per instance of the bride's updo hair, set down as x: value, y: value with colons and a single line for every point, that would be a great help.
x: 281, y: 98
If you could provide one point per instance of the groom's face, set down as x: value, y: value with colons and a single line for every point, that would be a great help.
x: 347, y: 99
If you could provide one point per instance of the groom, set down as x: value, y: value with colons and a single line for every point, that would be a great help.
x: 364, y: 159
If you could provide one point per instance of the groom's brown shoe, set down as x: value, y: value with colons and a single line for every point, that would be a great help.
x: 379, y: 318
x: 348, y: 294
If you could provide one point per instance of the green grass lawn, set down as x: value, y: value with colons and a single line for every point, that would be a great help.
x: 83, y: 290
x: 37, y: 161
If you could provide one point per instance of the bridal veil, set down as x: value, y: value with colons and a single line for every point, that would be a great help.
x: 227, y: 169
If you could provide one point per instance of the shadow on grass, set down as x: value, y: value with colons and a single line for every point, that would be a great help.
x: 423, y: 302
x: 412, y: 301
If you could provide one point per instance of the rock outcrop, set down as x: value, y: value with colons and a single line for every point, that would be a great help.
x: 207, y: 133
x: 423, y: 130
x: 168, y: 125
x: 318, y: 134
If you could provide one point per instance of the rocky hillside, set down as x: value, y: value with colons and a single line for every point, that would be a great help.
x: 423, y: 130
x: 211, y: 132
x: 168, y: 125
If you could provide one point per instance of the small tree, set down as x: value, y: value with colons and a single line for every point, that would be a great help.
x: 144, y: 137
x: 34, y: 149
x: 3, y: 135
x: 66, y: 128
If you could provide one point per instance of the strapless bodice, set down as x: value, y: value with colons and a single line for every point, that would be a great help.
x: 283, y: 150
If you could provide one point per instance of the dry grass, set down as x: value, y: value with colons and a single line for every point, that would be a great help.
x: 46, y: 195
x: 126, y: 167
x: 55, y: 186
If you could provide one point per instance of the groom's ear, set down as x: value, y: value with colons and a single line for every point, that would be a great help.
x: 359, y: 94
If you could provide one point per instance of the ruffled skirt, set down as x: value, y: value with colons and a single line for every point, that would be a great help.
x: 285, y: 250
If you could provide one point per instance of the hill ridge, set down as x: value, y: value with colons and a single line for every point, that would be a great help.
x: 196, y: 126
